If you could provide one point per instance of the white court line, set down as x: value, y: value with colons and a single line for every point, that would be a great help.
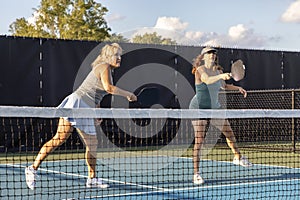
x: 193, y: 188
x: 230, y: 162
x: 83, y: 176
x: 162, y: 190
x: 108, y: 180
x: 235, y: 184
x: 125, y: 194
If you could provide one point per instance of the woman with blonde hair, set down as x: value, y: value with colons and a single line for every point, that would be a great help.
x: 209, y: 79
x: 89, y: 94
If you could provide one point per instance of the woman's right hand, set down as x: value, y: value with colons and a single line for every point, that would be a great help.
x: 131, y: 97
x: 225, y: 76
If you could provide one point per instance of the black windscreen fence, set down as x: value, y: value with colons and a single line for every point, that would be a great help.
x: 41, y: 72
x: 61, y: 62
x: 20, y: 71
x: 291, y: 69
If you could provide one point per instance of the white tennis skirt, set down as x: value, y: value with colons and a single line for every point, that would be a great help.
x: 87, y: 125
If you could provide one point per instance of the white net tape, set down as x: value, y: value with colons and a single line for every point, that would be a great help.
x: 51, y: 112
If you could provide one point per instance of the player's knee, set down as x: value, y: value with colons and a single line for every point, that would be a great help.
x: 231, y: 138
x: 92, y: 144
x: 59, y: 139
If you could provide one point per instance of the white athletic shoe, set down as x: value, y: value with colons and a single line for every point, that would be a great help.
x: 243, y: 161
x: 96, y: 182
x: 198, y: 179
x: 31, y: 176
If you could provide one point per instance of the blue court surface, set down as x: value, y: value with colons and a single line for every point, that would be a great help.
x: 223, y: 180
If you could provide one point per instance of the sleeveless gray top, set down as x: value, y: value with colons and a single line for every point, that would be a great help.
x: 91, y: 91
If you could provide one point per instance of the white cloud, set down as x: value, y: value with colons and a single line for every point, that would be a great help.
x: 174, y: 28
x: 194, y: 35
x: 114, y: 17
x: 292, y: 14
x: 239, y: 32
x: 171, y: 23
x: 237, y: 36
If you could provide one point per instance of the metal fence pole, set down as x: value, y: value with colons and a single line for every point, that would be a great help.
x: 293, y: 124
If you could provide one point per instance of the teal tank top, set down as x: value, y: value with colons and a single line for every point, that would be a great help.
x: 207, y: 96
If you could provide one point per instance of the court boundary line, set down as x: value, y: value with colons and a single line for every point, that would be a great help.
x: 84, y: 176
x: 125, y: 194
x: 236, y: 184
x: 230, y: 162
x: 163, y: 190
x: 160, y: 189
x: 193, y: 188
x: 108, y: 180
x: 188, y: 158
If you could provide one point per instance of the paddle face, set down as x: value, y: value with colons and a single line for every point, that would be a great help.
x: 238, y: 70
x: 147, y: 97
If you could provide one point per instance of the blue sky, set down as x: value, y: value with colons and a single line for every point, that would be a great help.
x: 251, y: 24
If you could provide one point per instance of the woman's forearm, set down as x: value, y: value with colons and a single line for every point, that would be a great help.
x: 118, y: 91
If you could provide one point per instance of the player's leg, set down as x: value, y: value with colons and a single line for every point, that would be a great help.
x: 64, y: 130
x: 225, y: 128
x: 199, y: 131
x: 91, y: 143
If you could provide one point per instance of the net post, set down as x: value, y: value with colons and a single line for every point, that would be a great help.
x: 293, y: 124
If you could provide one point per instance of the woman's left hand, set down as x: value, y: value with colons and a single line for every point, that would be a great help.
x: 243, y: 92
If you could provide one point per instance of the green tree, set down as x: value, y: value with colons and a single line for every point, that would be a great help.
x: 116, y: 38
x: 65, y: 19
x: 152, y: 38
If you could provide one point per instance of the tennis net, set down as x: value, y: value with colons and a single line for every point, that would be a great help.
x: 148, y: 154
